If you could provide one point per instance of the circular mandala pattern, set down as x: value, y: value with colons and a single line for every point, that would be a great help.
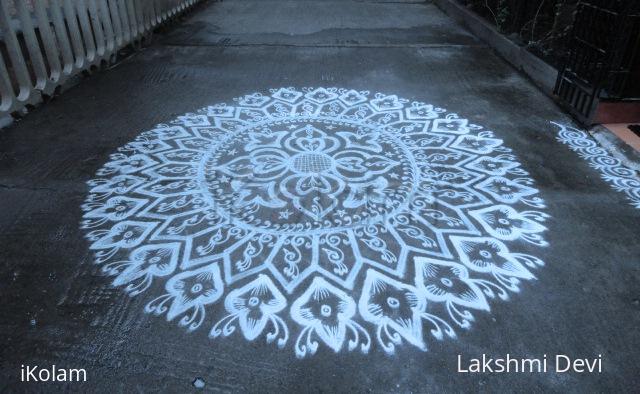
x: 298, y: 178
x: 319, y: 216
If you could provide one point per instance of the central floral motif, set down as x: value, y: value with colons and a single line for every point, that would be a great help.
x: 318, y: 219
x: 297, y: 174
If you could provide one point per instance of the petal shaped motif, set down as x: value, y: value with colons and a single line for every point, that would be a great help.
x: 254, y: 305
x: 444, y: 281
x: 392, y: 305
x: 505, y: 223
x: 194, y: 288
x: 485, y: 254
x: 364, y: 141
x: 505, y: 190
x: 116, y: 208
x: 356, y: 166
x: 476, y: 144
x: 324, y: 309
x: 260, y: 193
x: 144, y: 263
x: 125, y: 234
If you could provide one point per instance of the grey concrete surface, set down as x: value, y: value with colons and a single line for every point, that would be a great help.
x: 56, y: 309
x: 322, y: 23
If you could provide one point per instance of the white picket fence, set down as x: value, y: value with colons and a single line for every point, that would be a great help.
x: 44, y: 43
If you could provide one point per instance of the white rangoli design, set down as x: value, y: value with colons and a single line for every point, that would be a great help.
x: 318, y: 216
x: 621, y: 178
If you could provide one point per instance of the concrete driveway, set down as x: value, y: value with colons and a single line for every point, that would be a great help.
x: 360, y: 195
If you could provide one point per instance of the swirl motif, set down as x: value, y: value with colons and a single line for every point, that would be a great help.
x: 612, y: 170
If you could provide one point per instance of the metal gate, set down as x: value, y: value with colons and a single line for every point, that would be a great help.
x: 601, y: 49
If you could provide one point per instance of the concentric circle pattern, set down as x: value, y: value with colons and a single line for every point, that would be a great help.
x: 317, y: 217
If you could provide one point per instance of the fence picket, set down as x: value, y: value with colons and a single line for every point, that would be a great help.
x: 46, y: 42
